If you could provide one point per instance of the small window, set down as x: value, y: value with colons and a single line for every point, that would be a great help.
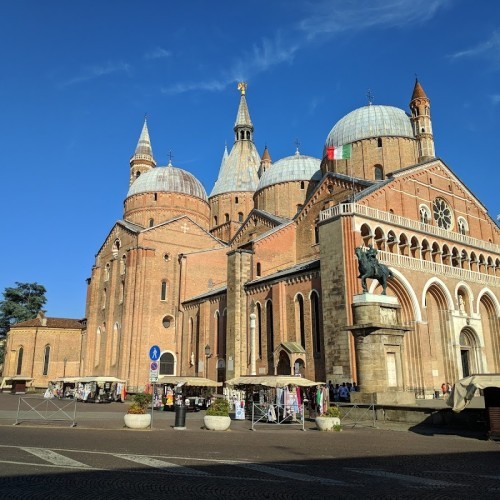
x: 215, y: 220
x: 226, y: 217
x: 379, y: 142
x: 164, y: 290
x: 46, y: 358
x: 240, y: 216
x: 137, y: 174
x: 156, y: 197
x: 236, y: 199
x: 166, y: 257
x: 316, y: 234
x: 151, y: 222
x: 258, y: 268
x: 302, y: 185
x: 378, y: 172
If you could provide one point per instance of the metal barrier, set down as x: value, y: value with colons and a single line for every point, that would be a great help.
x: 269, y: 413
x: 357, y: 415
x: 47, y: 410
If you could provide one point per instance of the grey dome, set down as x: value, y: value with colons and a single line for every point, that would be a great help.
x: 292, y: 168
x: 370, y: 121
x: 168, y: 179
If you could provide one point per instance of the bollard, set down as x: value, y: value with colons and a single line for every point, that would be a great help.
x: 180, y: 417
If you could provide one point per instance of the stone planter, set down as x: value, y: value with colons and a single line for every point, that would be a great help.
x: 213, y: 423
x: 137, y: 421
x: 327, y: 423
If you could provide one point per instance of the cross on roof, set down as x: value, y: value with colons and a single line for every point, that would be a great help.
x: 184, y: 227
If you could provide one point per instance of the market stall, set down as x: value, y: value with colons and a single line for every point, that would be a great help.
x: 276, y: 398
x: 195, y: 391
x: 17, y: 384
x: 63, y: 387
x: 100, y: 389
x: 465, y: 389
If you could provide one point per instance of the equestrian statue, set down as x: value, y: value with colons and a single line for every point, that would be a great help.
x: 370, y: 267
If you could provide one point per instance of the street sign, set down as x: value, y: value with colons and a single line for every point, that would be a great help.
x: 154, y: 353
x: 153, y: 371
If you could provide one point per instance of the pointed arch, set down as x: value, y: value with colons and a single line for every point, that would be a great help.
x: 446, y: 293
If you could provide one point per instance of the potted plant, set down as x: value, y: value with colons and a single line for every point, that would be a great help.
x: 330, y: 420
x: 217, y: 415
x: 137, y: 416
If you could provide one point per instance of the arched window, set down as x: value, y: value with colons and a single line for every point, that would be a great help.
x: 270, y: 328
x: 462, y: 225
x: 97, y: 350
x: 19, y: 360
x: 137, y: 174
x: 151, y: 222
x: 315, y: 323
x: 226, y: 217
x: 46, y: 359
x: 123, y: 264
x: 259, y: 328
x: 103, y: 305
x: 218, y: 347
x: 114, y: 345
x: 167, y: 364
x: 106, y: 272
x: 425, y: 214
x: 122, y: 292
x: 258, y: 269
x: 240, y: 216
x: 379, y: 142
x: 164, y: 290
x: 378, y: 172
x: 215, y: 220
x: 236, y: 200
x: 299, y: 319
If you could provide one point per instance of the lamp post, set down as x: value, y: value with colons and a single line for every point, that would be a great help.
x: 65, y: 360
x: 208, y: 355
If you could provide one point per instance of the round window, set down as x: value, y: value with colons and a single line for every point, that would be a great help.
x: 167, y: 320
x: 443, y: 214
x: 166, y: 257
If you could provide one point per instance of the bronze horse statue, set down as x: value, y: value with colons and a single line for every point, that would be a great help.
x: 370, y: 267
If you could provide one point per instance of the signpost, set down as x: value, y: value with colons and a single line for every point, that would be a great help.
x: 154, y: 356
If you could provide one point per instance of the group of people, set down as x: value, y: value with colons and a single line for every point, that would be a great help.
x: 341, y: 392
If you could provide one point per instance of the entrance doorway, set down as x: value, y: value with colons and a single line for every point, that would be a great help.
x: 284, y: 367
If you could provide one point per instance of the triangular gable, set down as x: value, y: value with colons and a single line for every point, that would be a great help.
x: 258, y: 222
x: 184, y: 228
x: 129, y: 227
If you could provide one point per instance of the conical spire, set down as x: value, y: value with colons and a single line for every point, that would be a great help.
x: 243, y: 117
x: 144, y: 143
x: 142, y: 160
x: 265, y: 155
x: 418, y: 91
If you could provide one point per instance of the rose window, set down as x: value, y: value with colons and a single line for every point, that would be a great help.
x: 442, y: 213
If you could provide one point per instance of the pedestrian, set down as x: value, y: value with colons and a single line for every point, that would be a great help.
x: 448, y: 388
x: 444, y: 388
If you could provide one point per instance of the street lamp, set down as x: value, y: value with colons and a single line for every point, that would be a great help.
x: 208, y: 355
x: 65, y: 360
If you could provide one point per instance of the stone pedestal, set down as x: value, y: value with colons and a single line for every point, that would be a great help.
x: 379, y: 335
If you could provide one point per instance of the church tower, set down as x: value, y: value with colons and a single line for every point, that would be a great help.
x: 231, y: 199
x: 142, y: 160
x: 265, y: 161
x: 420, y: 106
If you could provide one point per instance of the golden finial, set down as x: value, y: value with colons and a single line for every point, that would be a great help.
x: 242, y: 87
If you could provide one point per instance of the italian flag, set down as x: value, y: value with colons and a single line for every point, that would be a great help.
x: 339, y: 152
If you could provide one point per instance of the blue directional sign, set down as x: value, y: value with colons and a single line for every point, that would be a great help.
x: 154, y: 353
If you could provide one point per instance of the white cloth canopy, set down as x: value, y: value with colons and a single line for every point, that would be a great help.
x: 273, y: 381
x: 192, y: 381
x: 463, y: 391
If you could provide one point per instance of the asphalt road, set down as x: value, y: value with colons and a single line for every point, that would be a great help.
x: 63, y: 462
x: 99, y: 458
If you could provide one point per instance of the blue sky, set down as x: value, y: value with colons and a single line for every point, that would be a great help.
x: 78, y: 78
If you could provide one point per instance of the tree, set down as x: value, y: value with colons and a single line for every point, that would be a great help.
x: 21, y: 303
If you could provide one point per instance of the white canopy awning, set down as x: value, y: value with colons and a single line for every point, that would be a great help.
x: 273, y: 381
x: 191, y: 381
x: 99, y: 380
x: 463, y: 391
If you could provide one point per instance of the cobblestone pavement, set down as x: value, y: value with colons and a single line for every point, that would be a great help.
x: 101, y: 459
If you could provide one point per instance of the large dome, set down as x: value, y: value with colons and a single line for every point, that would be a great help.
x: 370, y: 121
x: 168, y: 179
x: 292, y: 168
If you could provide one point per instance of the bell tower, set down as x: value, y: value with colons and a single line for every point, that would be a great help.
x: 420, y: 106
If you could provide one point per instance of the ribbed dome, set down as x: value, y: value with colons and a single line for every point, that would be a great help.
x: 370, y: 121
x: 168, y: 179
x: 292, y: 168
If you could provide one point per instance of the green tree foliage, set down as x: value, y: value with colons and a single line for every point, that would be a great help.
x: 20, y: 303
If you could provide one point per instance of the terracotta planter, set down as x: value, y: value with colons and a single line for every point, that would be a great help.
x: 134, y: 421
x: 213, y: 423
x: 327, y: 423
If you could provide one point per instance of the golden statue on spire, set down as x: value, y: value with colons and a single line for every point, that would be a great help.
x: 242, y: 87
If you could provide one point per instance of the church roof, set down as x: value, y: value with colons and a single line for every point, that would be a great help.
x: 143, y: 147
x: 370, y: 121
x: 168, y: 179
x: 292, y: 168
x: 297, y: 269
x: 67, y: 323
x: 418, y: 91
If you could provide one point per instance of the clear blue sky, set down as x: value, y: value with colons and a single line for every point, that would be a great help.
x: 79, y: 76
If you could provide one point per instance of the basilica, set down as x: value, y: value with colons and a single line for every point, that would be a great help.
x: 260, y: 275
